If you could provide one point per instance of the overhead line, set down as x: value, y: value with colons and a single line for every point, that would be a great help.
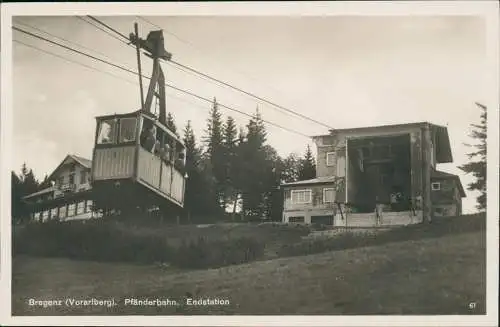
x: 166, y: 84
x: 108, y: 27
x: 249, y: 93
x: 101, y: 71
x: 61, y: 38
x: 72, y: 61
x: 168, y: 32
x: 194, y: 46
x: 230, y: 85
x: 71, y: 49
x: 101, y: 29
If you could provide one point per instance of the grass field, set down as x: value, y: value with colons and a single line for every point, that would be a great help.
x: 437, y: 275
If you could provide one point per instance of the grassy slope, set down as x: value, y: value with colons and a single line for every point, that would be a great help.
x: 430, y: 276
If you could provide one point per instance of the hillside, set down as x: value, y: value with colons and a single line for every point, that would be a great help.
x: 435, y: 275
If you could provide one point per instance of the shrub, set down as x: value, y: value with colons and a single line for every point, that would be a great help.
x: 93, y: 240
x: 200, y: 253
x: 323, y: 244
x: 319, y: 227
x: 102, y: 240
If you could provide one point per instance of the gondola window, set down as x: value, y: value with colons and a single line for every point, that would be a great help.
x: 107, y: 132
x: 127, y: 129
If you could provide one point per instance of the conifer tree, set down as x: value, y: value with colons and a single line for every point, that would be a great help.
x: 230, y: 143
x: 254, y: 168
x: 198, y: 187
x: 307, y: 166
x: 215, y: 151
x: 477, y: 166
x: 170, y: 124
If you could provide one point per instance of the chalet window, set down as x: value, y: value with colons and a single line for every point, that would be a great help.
x: 127, y: 129
x: 436, y: 186
x: 89, y: 206
x: 62, y: 212
x: 60, y: 181
x: 330, y: 159
x: 296, y: 219
x: 83, y: 177
x: 107, y: 132
x: 71, y: 209
x: 328, y: 195
x: 80, y: 208
x: 301, y: 196
x: 72, y: 179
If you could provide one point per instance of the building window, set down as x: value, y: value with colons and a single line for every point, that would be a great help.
x: 71, y: 209
x: 436, y: 186
x: 83, y: 177
x: 330, y: 159
x: 45, y: 215
x: 60, y: 181
x: 80, y: 208
x: 341, y: 167
x: 323, y: 220
x: 432, y: 155
x: 53, y: 213
x: 296, y: 219
x: 301, y: 196
x: 328, y: 195
x: 71, y: 179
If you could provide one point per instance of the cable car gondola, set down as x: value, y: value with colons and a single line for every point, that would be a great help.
x: 137, y: 161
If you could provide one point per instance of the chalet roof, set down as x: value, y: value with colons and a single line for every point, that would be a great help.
x: 84, y: 162
x: 443, y: 147
x: 44, y: 191
x: 444, y: 175
x: 317, y: 180
x: 80, y: 160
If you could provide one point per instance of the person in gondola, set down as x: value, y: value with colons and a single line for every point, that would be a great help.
x: 180, y: 159
x: 150, y: 142
x: 165, y: 152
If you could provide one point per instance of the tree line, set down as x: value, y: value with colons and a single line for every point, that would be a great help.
x: 232, y: 170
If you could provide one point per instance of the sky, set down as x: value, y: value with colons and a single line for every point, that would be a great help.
x: 345, y: 71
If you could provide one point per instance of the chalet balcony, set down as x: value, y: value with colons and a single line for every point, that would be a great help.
x: 67, y: 187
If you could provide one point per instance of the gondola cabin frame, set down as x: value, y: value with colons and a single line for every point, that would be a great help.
x: 130, y: 169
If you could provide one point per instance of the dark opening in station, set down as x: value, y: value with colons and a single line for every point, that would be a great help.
x: 379, y: 171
